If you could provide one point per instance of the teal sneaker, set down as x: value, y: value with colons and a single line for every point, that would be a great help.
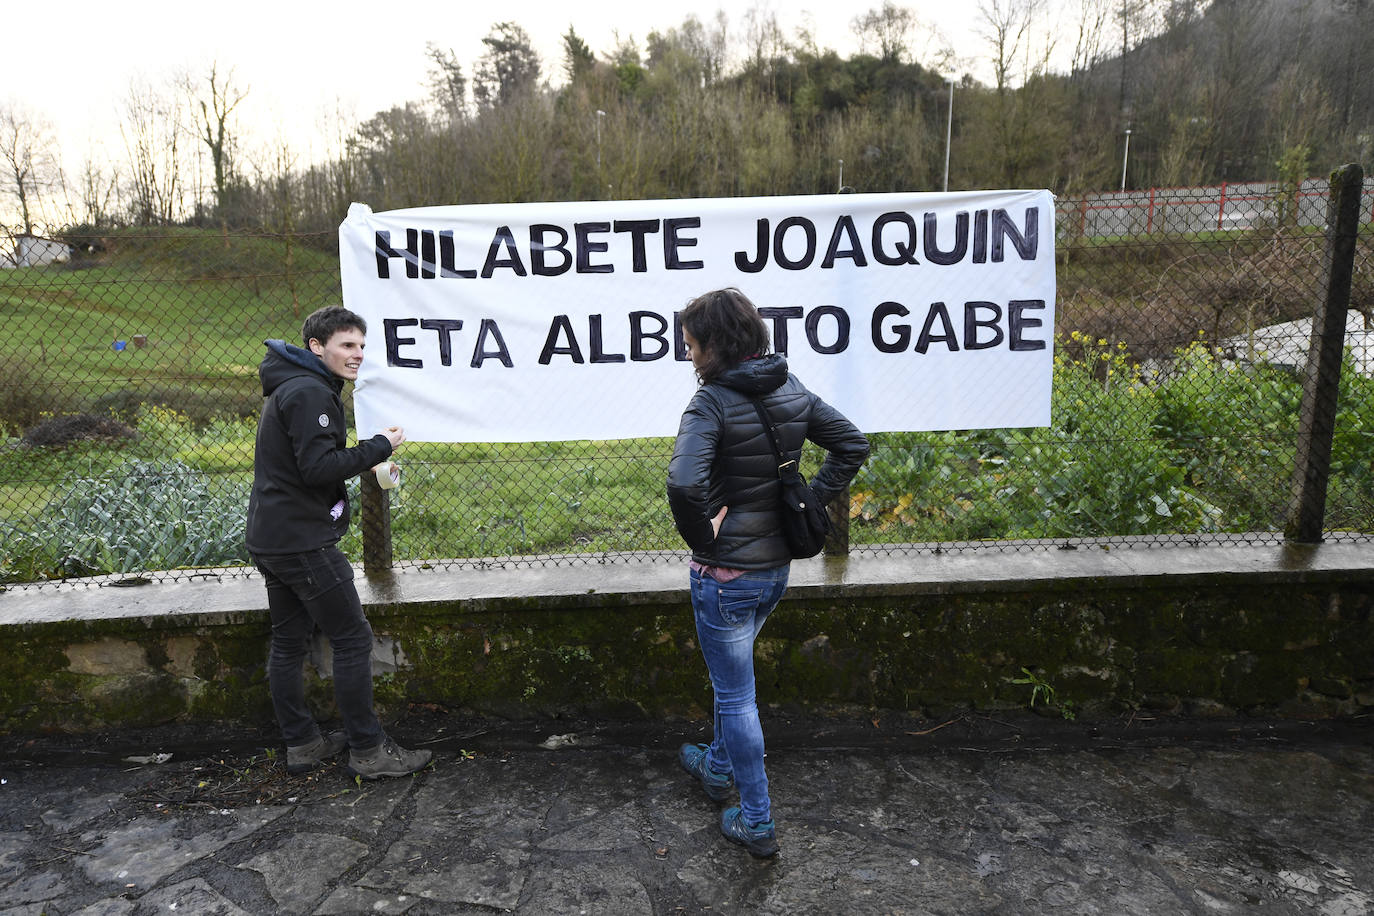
x: 693, y: 759
x: 761, y: 839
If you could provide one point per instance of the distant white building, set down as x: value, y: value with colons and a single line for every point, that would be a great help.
x: 1287, y: 344
x: 32, y: 251
x: 1283, y: 346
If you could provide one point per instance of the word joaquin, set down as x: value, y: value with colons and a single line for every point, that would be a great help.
x: 895, y: 238
x: 646, y: 336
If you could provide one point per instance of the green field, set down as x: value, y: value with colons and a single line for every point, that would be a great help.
x: 1205, y: 450
x: 192, y: 309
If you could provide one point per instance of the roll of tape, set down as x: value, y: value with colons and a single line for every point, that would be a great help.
x: 388, y: 475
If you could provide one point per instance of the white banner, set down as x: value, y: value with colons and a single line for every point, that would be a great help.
x: 552, y: 321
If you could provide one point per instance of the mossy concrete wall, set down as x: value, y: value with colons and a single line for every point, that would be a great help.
x: 1272, y: 631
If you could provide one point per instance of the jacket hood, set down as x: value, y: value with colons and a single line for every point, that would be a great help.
x: 286, y: 361
x: 755, y: 377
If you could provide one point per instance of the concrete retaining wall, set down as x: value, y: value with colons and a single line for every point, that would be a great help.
x: 1277, y: 631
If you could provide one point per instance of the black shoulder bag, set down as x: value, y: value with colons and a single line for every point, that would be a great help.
x: 805, y: 523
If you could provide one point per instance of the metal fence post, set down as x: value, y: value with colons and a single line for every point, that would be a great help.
x: 1320, y: 387
x: 376, y: 526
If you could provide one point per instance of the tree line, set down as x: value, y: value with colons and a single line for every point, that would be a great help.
x: 1210, y: 90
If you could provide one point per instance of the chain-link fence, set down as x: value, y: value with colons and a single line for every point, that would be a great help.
x: 129, y: 398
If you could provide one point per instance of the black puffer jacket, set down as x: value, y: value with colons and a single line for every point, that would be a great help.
x: 300, y: 463
x: 722, y: 457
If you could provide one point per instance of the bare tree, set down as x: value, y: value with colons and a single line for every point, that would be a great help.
x: 1090, y: 28
x: 1239, y: 71
x: 283, y: 183
x: 1008, y: 27
x: 447, y: 85
x: 1181, y: 154
x: 709, y: 43
x: 888, y: 29
x: 1137, y: 19
x: 214, y: 128
x: 28, y: 154
x: 93, y: 200
x: 1352, y: 25
x: 152, y: 133
x: 763, y: 38
x: 691, y: 52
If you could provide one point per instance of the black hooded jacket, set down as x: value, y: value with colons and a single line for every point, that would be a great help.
x: 301, y: 461
x: 722, y: 457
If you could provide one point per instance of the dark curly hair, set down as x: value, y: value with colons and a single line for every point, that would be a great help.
x: 728, y: 329
x: 324, y: 323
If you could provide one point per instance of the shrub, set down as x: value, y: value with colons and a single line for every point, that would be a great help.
x: 200, y: 407
x: 1102, y: 471
x: 1233, y: 430
x: 56, y: 432
x: 145, y: 516
x: 1350, y: 501
x: 27, y: 394
x: 85, y: 239
x: 939, y: 486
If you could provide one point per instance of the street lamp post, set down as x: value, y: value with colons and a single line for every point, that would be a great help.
x: 949, y: 131
x: 599, y: 115
x: 1125, y: 157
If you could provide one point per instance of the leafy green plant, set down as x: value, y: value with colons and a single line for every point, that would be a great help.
x: 1351, y: 493
x: 147, y: 515
x: 942, y: 486
x: 1233, y: 430
x: 1042, y: 691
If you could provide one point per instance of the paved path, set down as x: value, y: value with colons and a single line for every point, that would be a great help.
x: 967, y: 816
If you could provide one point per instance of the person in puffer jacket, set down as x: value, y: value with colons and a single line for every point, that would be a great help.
x: 724, y: 492
x: 297, y: 513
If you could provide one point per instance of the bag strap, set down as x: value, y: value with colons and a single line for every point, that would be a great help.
x: 767, y: 421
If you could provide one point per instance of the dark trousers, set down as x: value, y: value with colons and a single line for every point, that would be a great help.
x: 304, y: 591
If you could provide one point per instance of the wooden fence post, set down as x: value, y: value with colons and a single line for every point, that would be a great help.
x: 1317, y: 422
x: 837, y: 541
x: 376, y: 526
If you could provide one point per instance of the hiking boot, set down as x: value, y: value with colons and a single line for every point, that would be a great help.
x: 693, y: 760
x: 761, y: 840
x: 305, y: 757
x: 387, y: 759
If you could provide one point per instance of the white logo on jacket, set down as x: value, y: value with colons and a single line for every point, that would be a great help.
x: 324, y: 419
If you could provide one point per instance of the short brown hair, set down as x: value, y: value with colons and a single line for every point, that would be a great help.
x: 324, y: 323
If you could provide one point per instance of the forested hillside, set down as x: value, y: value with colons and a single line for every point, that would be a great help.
x: 1225, y: 90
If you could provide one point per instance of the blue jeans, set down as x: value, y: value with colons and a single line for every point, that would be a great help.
x: 729, y: 618
x: 305, y: 590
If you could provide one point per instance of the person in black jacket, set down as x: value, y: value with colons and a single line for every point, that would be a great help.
x: 297, y: 513
x: 724, y: 490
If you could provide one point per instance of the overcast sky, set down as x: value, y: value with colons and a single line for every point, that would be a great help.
x: 314, y: 70
x: 73, y: 62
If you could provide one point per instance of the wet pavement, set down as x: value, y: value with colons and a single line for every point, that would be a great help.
x: 970, y: 814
